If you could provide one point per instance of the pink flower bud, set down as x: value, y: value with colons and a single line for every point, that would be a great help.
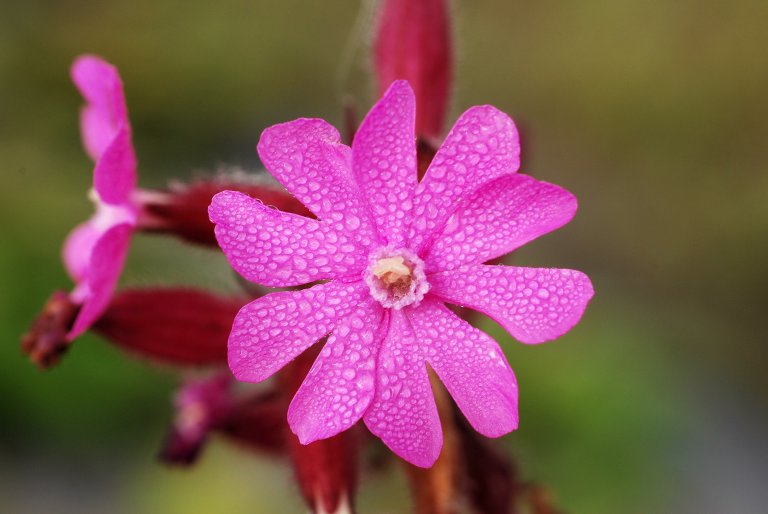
x: 413, y: 42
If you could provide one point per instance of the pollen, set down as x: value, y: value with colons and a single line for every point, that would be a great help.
x: 396, y: 277
x: 393, y: 271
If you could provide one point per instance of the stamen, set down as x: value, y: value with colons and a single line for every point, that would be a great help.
x: 396, y: 277
x: 392, y: 270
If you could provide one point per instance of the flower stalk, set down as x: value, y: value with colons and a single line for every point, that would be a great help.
x: 434, y: 490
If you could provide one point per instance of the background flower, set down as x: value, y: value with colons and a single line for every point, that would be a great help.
x: 95, y: 252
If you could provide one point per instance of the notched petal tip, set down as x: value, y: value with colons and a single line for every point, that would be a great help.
x: 222, y: 203
x: 303, y: 430
x: 239, y: 363
x: 296, y: 133
x: 491, y: 118
x: 424, y: 459
x: 400, y: 87
x: 570, y: 317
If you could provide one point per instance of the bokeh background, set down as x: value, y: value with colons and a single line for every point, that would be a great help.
x: 653, y: 113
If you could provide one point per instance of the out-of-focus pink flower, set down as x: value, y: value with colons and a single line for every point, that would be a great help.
x: 413, y: 42
x: 210, y: 405
x: 201, y: 405
x: 95, y: 252
x: 390, y: 252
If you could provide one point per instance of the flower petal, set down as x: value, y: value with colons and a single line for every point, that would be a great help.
x: 270, y: 332
x: 77, y: 249
x: 384, y: 160
x: 307, y: 157
x: 114, y: 177
x: 502, y: 216
x: 340, y: 385
x: 105, y: 110
x: 532, y: 304
x: 106, y: 264
x: 472, y: 367
x: 280, y: 249
x: 403, y: 412
x: 482, y: 145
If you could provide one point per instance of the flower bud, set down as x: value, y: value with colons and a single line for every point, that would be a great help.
x: 182, y: 210
x: 413, y: 42
x: 174, y: 326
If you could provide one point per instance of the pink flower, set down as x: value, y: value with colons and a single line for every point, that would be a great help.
x: 95, y: 252
x: 389, y: 253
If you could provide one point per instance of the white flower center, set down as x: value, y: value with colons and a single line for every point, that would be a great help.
x: 396, y: 277
x: 108, y: 215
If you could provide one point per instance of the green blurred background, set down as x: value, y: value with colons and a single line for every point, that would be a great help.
x: 653, y: 113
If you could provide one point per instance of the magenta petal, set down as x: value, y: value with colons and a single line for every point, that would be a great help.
x: 106, y: 264
x: 307, y: 157
x: 472, y: 367
x: 275, y: 248
x: 270, y: 332
x: 403, y: 412
x: 502, y: 216
x: 340, y: 385
x: 105, y: 111
x: 384, y: 160
x: 533, y: 304
x: 482, y: 145
x: 114, y: 177
x: 78, y: 248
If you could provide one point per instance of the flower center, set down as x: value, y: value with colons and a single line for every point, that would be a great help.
x: 396, y: 277
x: 109, y: 215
